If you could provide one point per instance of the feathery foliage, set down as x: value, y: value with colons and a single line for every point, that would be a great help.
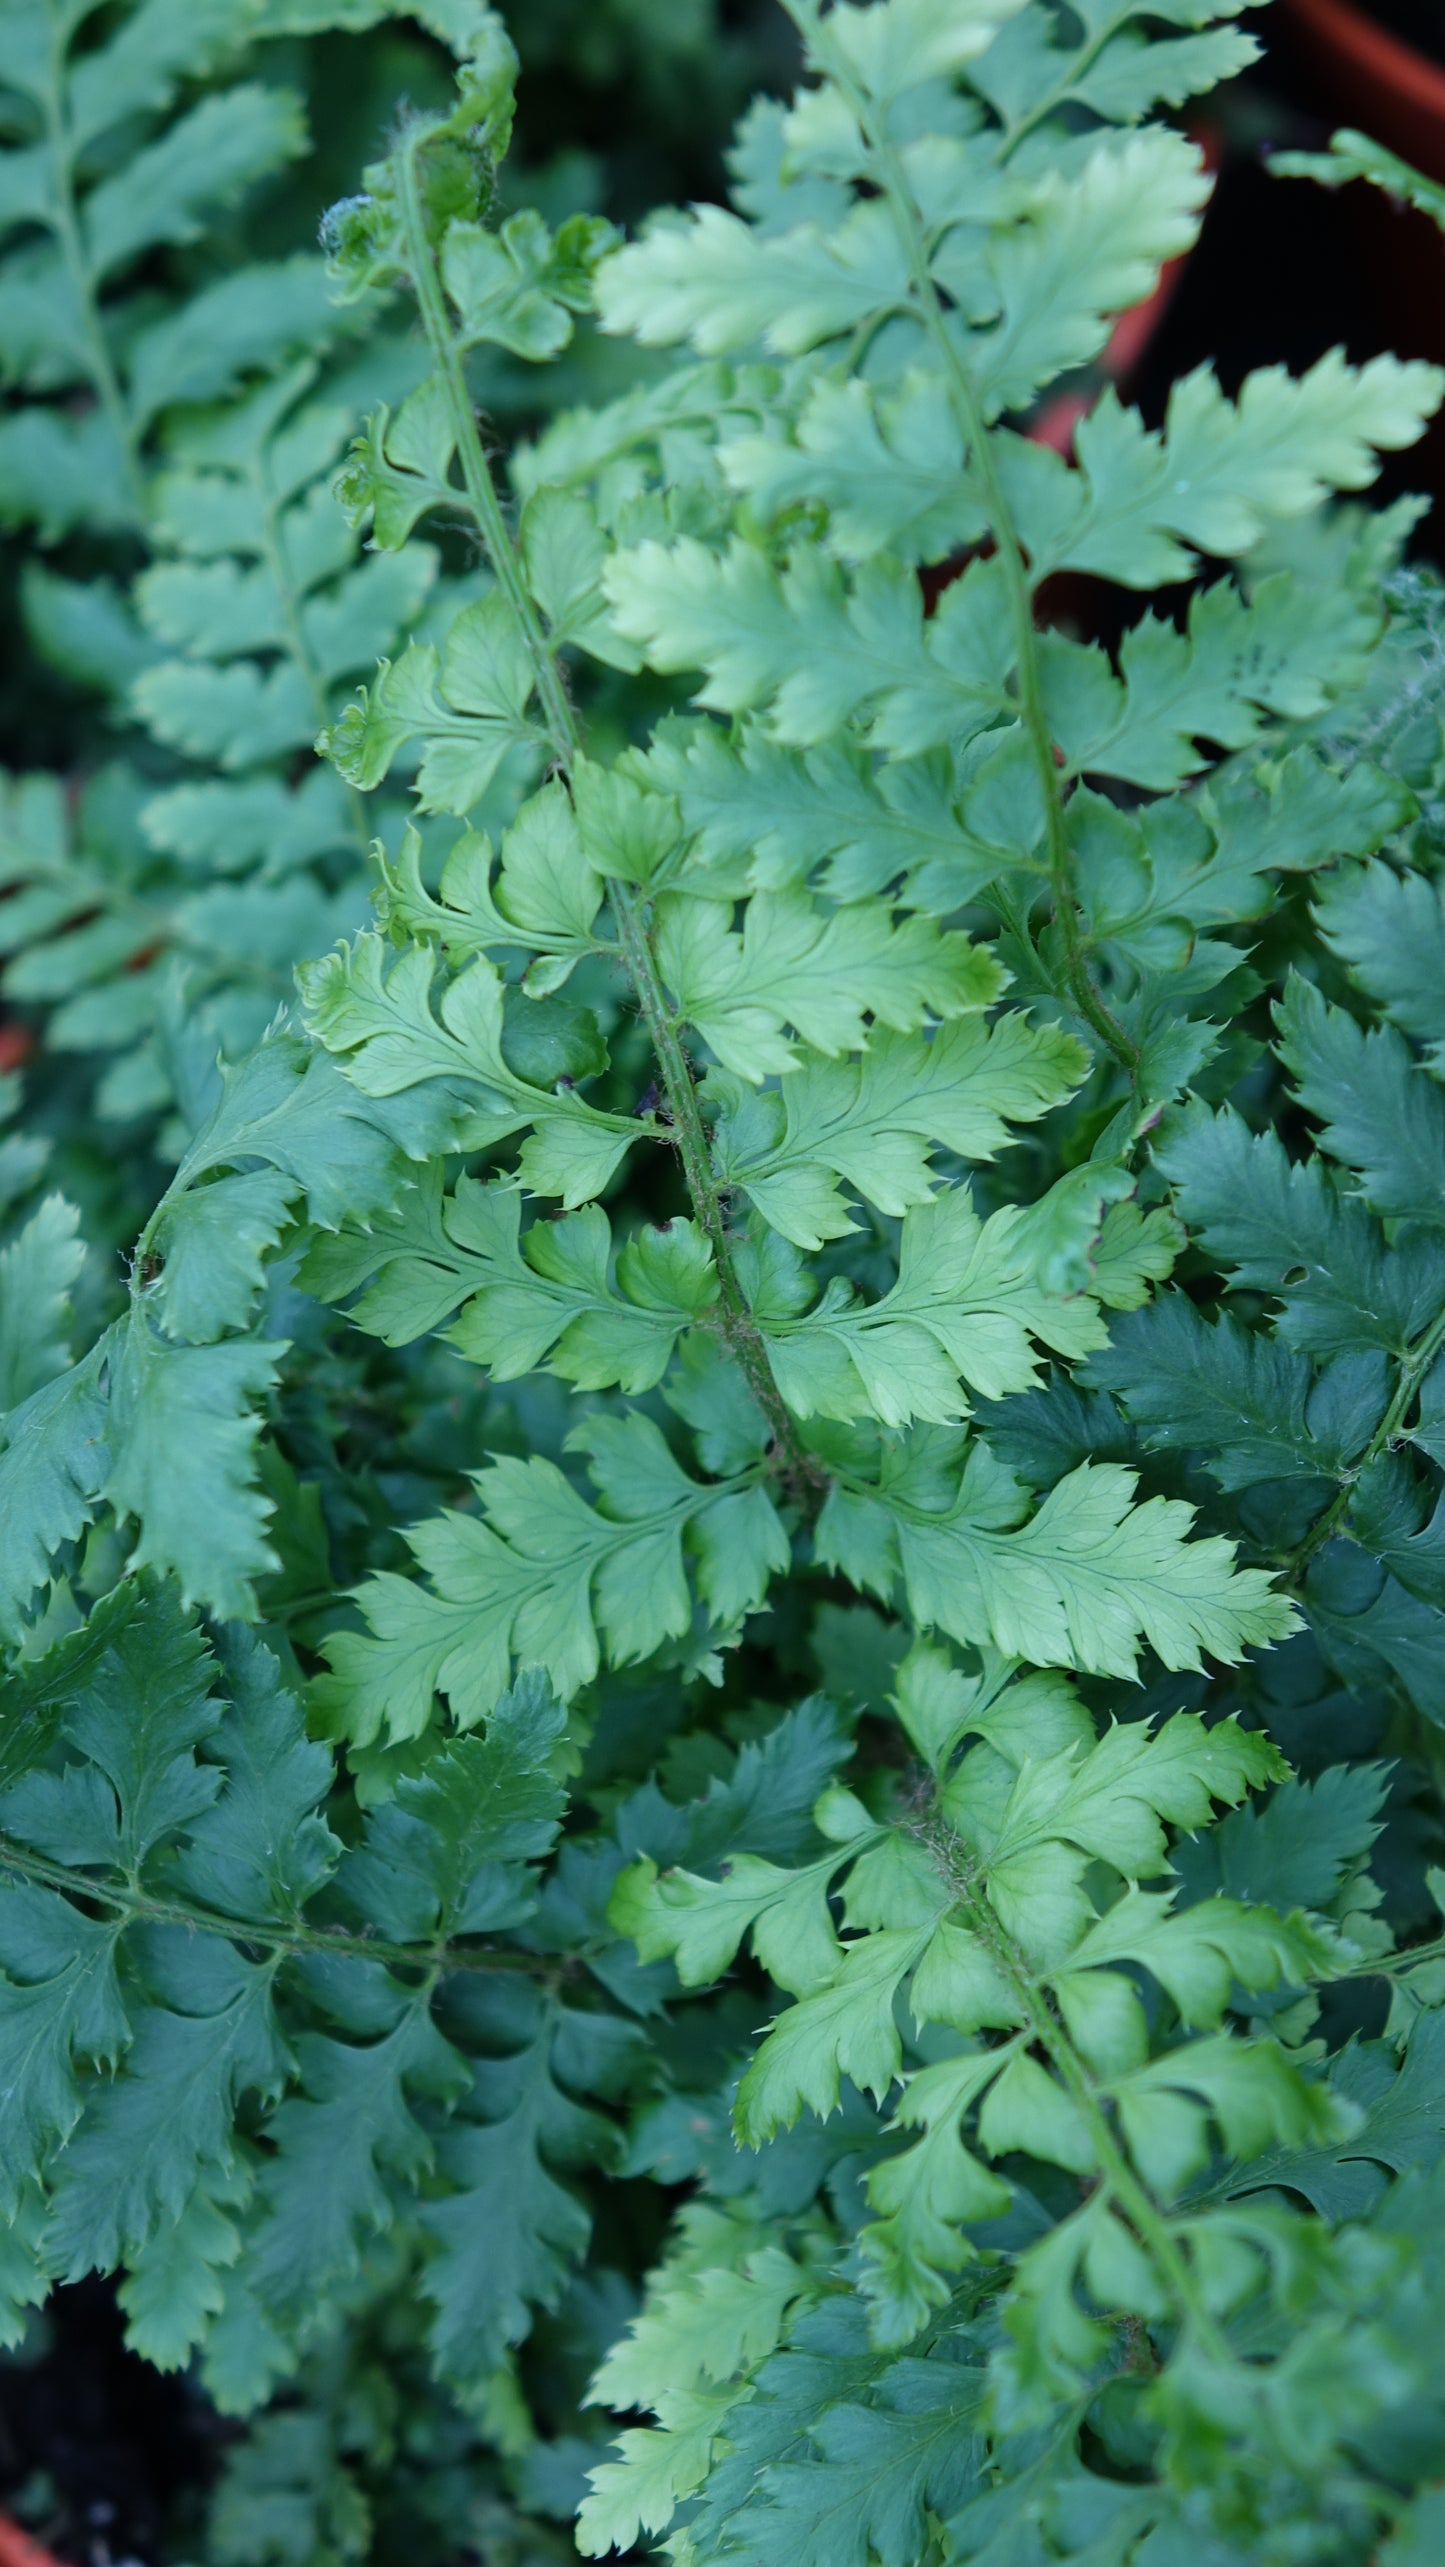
x: 112, y: 158
x: 845, y: 1625
x: 168, y: 931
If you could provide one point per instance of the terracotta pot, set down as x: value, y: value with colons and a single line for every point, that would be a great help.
x: 1376, y: 80
x: 1354, y: 72
x: 1129, y: 340
x: 17, y: 2549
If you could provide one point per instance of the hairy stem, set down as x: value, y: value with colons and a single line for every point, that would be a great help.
x: 739, y: 1326
x: 685, y: 1114
x: 1397, y: 1965
x: 893, y: 182
x: 137, y: 1906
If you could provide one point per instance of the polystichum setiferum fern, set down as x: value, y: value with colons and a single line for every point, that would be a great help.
x: 154, y: 927
x: 787, y: 1114
x: 164, y: 927
x: 105, y: 167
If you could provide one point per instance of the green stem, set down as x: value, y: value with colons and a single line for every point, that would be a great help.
x: 1079, y: 63
x: 139, y: 1907
x: 477, y: 481
x: 739, y: 1326
x: 1126, y: 2189
x: 1397, y: 1965
x: 66, y: 226
x: 892, y: 180
x: 1129, y: 2193
x: 1414, y: 1365
x: 685, y: 1114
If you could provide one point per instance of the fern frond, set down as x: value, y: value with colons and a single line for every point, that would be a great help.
x: 201, y: 896
x: 106, y: 166
x: 127, y: 2104
x: 798, y: 1084
x: 546, y: 1576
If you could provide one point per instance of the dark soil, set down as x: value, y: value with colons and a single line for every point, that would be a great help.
x: 1285, y: 270
x: 97, y: 2451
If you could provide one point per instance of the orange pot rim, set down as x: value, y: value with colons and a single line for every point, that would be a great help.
x: 1401, y: 91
